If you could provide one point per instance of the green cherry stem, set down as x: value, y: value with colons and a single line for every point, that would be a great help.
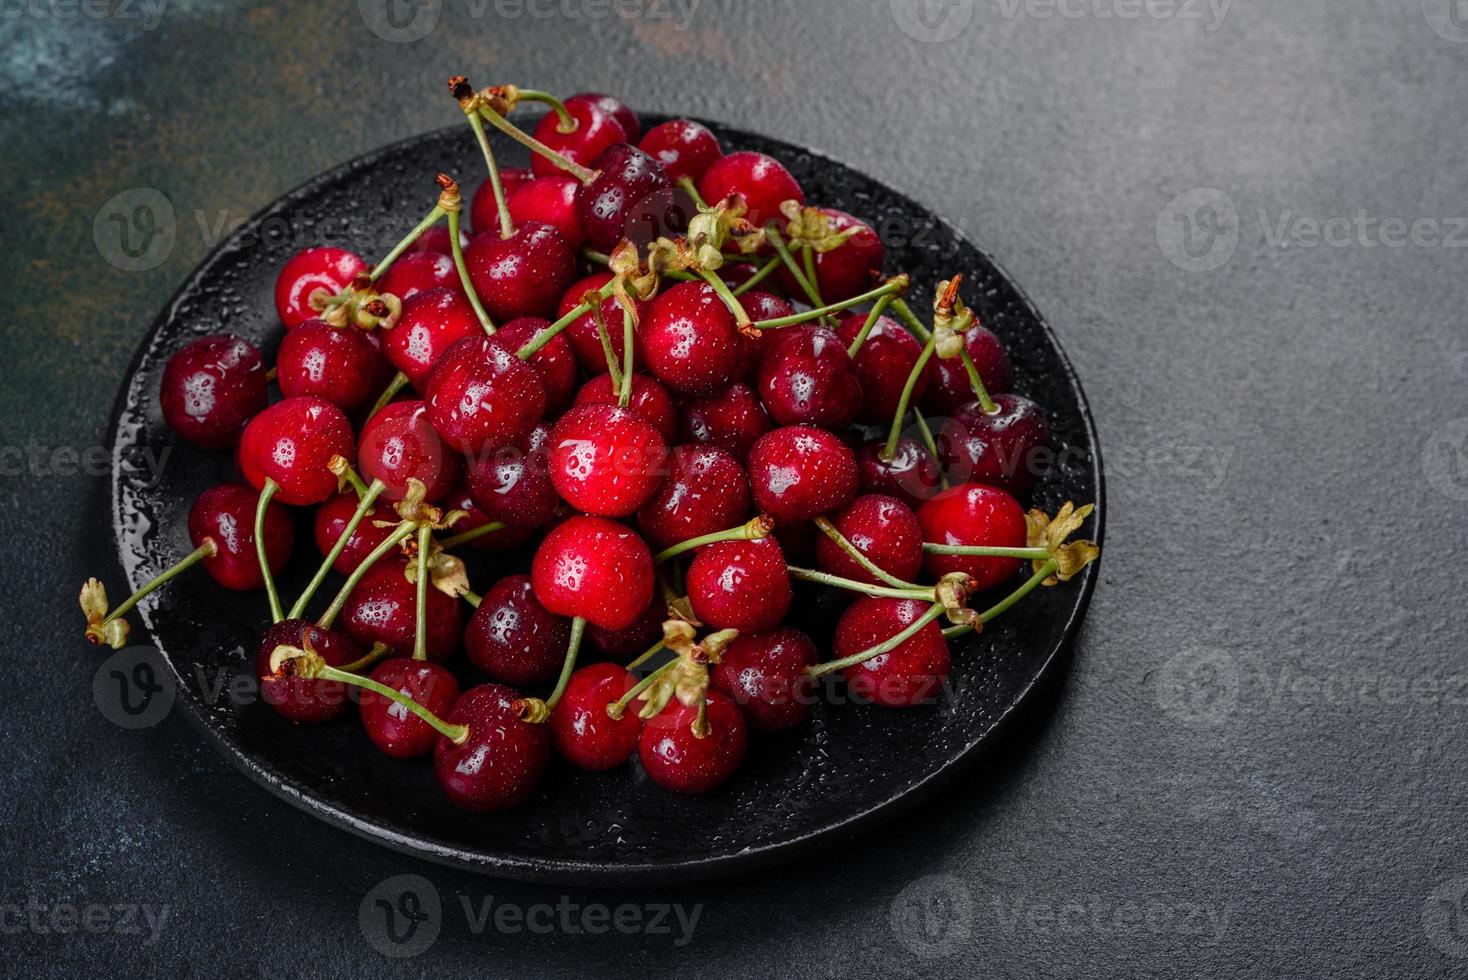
x: 851, y: 585
x: 507, y: 226
x: 977, y: 551
x: 624, y: 397
x: 758, y: 528
x: 866, y: 328
x: 473, y: 535
x: 856, y: 555
x: 399, y: 534
x: 266, y: 492
x: 688, y: 187
x: 761, y: 274
x: 808, y: 256
x: 614, y: 366
x: 930, y: 443
x: 534, y: 710
x: 364, y: 505
x: 535, y: 146
x: 402, y: 246
x: 454, y: 733
x: 890, y: 449
x: 565, y: 122
x: 378, y: 651
x: 394, y: 386
x: 602, y: 258
x: 986, y: 404
x: 534, y: 344
x: 907, y: 316
x: 830, y: 667
x: 349, y: 474
x: 420, y: 597
x: 888, y: 289
x: 783, y: 252
x: 458, y: 249
x: 473, y: 598
x: 206, y: 550
x: 741, y: 317
x: 645, y: 656
x: 617, y: 707
x: 1045, y: 571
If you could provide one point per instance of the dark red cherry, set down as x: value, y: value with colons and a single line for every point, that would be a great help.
x: 483, y: 214
x: 847, y: 270
x: 912, y: 474
x: 684, y: 148
x: 480, y: 395
x: 523, y: 275
x: 650, y: 401
x: 332, y: 518
x: 1009, y: 448
x: 550, y: 201
x: 676, y: 759
x: 765, y: 674
x: 763, y: 180
x: 883, y: 365
x: 885, y: 530
x: 513, y: 638
x: 512, y: 484
x: 619, y: 110
x: 806, y: 377
x: 338, y: 364
x: 760, y: 305
x: 582, y: 730
x: 298, y: 699
x: 432, y: 322
x: 395, y: 730
x: 596, y: 569
x: 399, y: 444
x: 799, y: 472
x: 706, y: 491
x: 606, y: 461
x: 382, y: 609
x: 740, y: 585
x: 555, y: 362
x: 499, y: 764
x: 911, y: 674
x: 435, y: 240
x: 226, y: 514
x: 798, y: 541
x: 597, y: 129
x: 631, y: 197
x: 505, y: 539
x: 291, y: 442
x: 974, y: 515
x: 417, y: 271
x: 210, y: 390
x: 630, y: 641
x: 325, y: 270
x: 732, y: 419
x: 690, y: 340
x: 583, y: 334
x: 951, y: 388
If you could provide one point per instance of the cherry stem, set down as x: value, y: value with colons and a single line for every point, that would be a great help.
x: 983, y: 551
x: 905, y: 313
x: 645, y: 656
x: 986, y: 404
x: 614, y: 366
x: 856, y: 555
x: 691, y: 189
x: 507, y: 226
x: 349, y: 474
x: 741, y: 316
x: 887, y: 289
x: 866, y: 328
x: 399, y: 534
x: 568, y: 667
x: 889, y: 451
x: 378, y: 651
x: 394, y: 386
x: 206, y: 550
x: 566, y: 124
x: 808, y: 256
x: 534, y: 344
x: 454, y: 733
x: 535, y: 146
x: 363, y: 506
x: 458, y: 249
x: 420, y: 597
x: 481, y: 531
x: 266, y: 492
x: 821, y: 670
x: 760, y: 276
x: 781, y: 250
x: 602, y: 258
x: 865, y: 588
x: 473, y: 598
x: 624, y: 397
x: 758, y: 528
x: 617, y: 707
x: 1045, y: 571
x: 402, y: 246
x: 930, y: 443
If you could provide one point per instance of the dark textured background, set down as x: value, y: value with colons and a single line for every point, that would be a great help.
x: 1253, y: 768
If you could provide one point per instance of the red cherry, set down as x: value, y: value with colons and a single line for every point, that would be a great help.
x: 597, y: 129
x: 763, y: 180
x: 395, y: 730
x: 500, y: 764
x: 883, y: 365
x: 765, y: 674
x: 483, y: 213
x: 332, y: 518
x: 513, y: 638
x: 799, y: 472
x: 951, y: 388
x: 760, y: 305
x: 1009, y: 448
x: 848, y: 270
x: 210, y: 390
x: 299, y: 699
x: 555, y: 362
x: 619, y: 110
x: 633, y: 640
x: 505, y: 539
x: 596, y: 569
x: 291, y: 442
x: 415, y: 272
x: 338, y: 364
x: 512, y: 485
x: 226, y: 514
x: 523, y: 275
x: 676, y: 759
x: 606, y: 461
x: 706, y: 491
x: 690, y: 339
x: 480, y: 395
x: 584, y: 337
x: 435, y: 239
x: 740, y: 585
x: 911, y: 674
x: 630, y: 198
x: 731, y: 419
x: 885, y: 530
x: 798, y: 541
x: 684, y: 148
x: 974, y: 515
x: 582, y: 730
x: 399, y: 444
x: 329, y: 270
x: 912, y: 474
x: 807, y: 377
x: 550, y: 201
x: 382, y: 609
x: 650, y: 401
x: 432, y: 322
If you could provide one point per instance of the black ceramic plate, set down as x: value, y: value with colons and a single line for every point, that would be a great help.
x: 849, y: 767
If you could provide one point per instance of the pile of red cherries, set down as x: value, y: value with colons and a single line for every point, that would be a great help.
x: 651, y: 369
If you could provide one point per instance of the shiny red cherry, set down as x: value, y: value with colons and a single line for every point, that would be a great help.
x: 760, y: 305
x: 676, y: 759
x: 765, y: 674
x: 684, y: 148
x: 523, y: 275
x: 911, y: 674
x: 483, y: 213
x: 331, y: 520
x: 394, y: 729
x: 582, y: 730
x: 550, y: 201
x: 480, y: 395
x: 513, y: 638
x: 432, y: 321
x: 974, y: 515
x: 495, y: 542
x: 885, y: 530
x: 650, y: 401
x: 799, y: 472
x: 631, y: 197
x: 499, y: 764
x: 883, y: 365
x: 210, y: 390
x: 596, y: 130
x: 606, y: 461
x: 512, y: 484
x: 596, y: 569
x: 706, y: 491
x: 951, y: 388
x: 299, y: 699
x: 312, y: 270
x: 382, y: 609
x: 850, y: 268
x: 1007, y: 448
x: 732, y: 419
x: 806, y: 377
x: 417, y: 271
x: 555, y: 362
x: 690, y: 340
x: 740, y: 585
x: 583, y: 334
x: 226, y: 514
x: 338, y: 364
x: 619, y: 110
x: 912, y: 474
x: 399, y: 444
x: 763, y: 180
x: 291, y: 442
